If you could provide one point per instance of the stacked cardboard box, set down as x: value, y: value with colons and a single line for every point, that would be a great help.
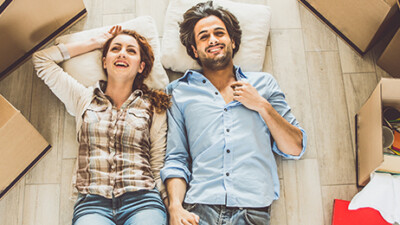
x: 361, y: 23
x: 27, y: 25
x: 390, y: 58
x: 21, y: 146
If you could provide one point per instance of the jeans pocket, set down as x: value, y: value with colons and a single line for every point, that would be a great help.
x: 189, y: 207
x: 257, y: 217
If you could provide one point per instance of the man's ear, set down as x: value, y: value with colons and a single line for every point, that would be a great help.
x: 141, y: 67
x: 195, y: 51
x: 104, y: 62
x: 233, y: 44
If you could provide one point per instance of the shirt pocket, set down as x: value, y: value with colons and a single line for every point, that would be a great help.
x: 137, y: 119
x: 93, y: 114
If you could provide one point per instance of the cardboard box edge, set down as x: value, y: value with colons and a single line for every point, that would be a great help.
x: 26, y: 170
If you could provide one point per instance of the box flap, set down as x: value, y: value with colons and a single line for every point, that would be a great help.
x: 391, y: 164
x: 6, y: 111
x: 391, y: 92
x: 369, y: 136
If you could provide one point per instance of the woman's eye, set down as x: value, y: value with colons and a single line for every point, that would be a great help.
x: 114, y: 49
x: 132, y: 51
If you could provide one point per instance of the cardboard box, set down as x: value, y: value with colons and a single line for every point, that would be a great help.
x: 21, y: 146
x: 361, y: 23
x: 390, y: 58
x: 369, y: 150
x: 27, y: 25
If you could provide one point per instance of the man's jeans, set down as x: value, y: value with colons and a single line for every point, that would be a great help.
x: 222, y: 215
x: 142, y: 207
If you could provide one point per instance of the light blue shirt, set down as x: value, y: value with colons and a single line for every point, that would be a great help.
x: 224, y: 151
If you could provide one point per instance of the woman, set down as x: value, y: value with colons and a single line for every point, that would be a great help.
x: 121, y: 130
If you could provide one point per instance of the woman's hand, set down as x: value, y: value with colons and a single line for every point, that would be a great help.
x: 180, y: 216
x: 102, y: 38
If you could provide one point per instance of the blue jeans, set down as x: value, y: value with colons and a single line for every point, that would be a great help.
x: 222, y: 215
x: 141, y: 207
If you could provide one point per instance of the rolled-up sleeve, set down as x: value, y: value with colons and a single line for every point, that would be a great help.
x: 177, y: 159
x: 277, y: 99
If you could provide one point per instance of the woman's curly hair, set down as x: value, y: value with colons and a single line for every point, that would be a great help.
x: 160, y: 100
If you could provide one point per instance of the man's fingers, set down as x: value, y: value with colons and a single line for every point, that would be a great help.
x: 237, y: 93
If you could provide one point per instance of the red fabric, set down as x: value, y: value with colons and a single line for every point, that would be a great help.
x: 364, y: 216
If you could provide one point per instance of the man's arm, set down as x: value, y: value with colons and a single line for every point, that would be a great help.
x: 176, y: 173
x: 288, y: 137
x: 176, y: 188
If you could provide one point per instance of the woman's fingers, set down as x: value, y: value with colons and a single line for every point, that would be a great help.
x: 196, y: 217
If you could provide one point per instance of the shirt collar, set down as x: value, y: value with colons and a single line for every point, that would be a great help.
x: 100, y: 88
x: 197, y: 74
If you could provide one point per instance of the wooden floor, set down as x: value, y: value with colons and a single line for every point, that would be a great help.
x: 324, y: 80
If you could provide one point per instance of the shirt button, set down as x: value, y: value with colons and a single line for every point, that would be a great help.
x: 227, y: 174
x: 204, y: 81
x: 227, y: 130
x: 225, y: 109
x: 216, y: 93
x: 228, y: 151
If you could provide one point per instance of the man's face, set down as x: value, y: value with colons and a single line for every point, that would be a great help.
x: 214, y: 47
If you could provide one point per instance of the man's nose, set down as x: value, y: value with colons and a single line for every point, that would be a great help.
x: 213, y: 40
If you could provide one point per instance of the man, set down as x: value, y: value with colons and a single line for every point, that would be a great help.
x: 223, y: 126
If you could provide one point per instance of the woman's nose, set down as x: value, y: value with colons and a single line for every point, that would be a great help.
x: 122, y: 53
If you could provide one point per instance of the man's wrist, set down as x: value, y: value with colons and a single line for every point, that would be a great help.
x: 264, y: 106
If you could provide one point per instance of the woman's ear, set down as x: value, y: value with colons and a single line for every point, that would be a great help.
x: 141, y: 67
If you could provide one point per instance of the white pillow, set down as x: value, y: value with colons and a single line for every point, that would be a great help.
x: 88, y: 69
x: 254, y: 20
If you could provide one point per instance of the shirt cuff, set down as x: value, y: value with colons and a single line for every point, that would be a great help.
x: 175, y: 172
x: 287, y: 156
x: 64, y: 51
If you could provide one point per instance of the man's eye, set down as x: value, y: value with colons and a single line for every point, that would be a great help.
x: 203, y: 37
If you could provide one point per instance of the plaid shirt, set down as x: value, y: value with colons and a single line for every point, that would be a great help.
x: 114, y: 146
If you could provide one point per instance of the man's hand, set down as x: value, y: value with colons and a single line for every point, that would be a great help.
x: 248, y: 95
x: 179, y: 216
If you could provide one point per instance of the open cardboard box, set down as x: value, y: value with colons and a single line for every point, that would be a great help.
x: 361, y: 23
x: 21, y: 146
x: 369, y: 151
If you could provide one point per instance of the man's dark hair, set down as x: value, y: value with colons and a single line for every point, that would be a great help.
x: 203, y: 10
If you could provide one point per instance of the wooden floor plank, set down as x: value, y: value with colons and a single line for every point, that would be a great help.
x: 335, y: 155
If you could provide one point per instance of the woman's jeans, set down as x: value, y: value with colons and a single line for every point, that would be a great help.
x: 141, y: 207
x: 220, y: 214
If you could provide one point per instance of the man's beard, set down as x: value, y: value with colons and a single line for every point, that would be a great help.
x: 218, y: 63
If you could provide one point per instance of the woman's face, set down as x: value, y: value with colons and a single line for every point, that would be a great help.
x: 123, y: 61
